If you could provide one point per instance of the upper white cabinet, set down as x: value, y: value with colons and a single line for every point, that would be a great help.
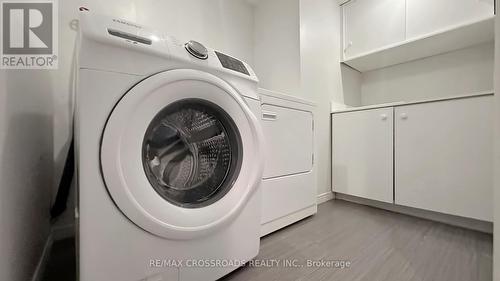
x: 372, y: 24
x: 444, y: 157
x: 428, y: 16
x: 362, y: 148
x: 381, y: 33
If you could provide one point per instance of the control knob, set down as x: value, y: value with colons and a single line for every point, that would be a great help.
x: 196, y: 49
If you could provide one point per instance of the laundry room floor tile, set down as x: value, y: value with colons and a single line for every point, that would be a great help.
x: 380, y: 245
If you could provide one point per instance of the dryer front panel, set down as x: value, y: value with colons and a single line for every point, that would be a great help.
x: 181, y: 154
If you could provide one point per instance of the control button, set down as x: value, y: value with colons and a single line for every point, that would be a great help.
x: 196, y: 49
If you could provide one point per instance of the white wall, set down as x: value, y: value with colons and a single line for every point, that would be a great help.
x: 320, y: 74
x: 496, y: 198
x: 456, y: 73
x: 32, y: 138
x: 226, y: 25
x: 304, y: 63
x: 26, y: 167
x: 277, y: 45
x: 351, y: 85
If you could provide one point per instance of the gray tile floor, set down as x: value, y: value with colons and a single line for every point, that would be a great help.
x: 380, y: 245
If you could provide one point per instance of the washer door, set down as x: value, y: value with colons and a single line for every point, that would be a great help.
x: 181, y: 154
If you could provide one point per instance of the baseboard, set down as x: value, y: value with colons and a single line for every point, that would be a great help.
x: 468, y: 223
x: 63, y: 232
x: 279, y: 223
x: 44, y: 259
x: 323, y: 197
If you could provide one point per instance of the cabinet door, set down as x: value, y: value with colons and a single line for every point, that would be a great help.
x: 288, y: 140
x: 443, y: 157
x: 362, y: 154
x: 428, y: 16
x: 371, y: 25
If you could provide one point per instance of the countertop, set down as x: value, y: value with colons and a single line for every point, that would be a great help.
x: 400, y: 103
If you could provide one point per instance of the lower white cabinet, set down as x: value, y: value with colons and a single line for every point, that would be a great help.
x: 362, y: 153
x: 440, y: 155
x: 444, y: 157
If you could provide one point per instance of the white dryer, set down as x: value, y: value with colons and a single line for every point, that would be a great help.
x: 169, y: 154
x: 289, y: 179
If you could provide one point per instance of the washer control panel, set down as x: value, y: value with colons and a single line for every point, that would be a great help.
x: 232, y: 63
x: 156, y: 50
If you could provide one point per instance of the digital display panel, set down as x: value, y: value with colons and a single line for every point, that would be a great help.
x: 232, y: 63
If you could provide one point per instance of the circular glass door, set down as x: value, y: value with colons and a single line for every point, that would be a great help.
x: 181, y: 154
x: 192, y: 153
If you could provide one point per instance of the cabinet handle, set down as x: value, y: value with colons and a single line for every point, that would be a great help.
x: 383, y: 117
x: 404, y: 116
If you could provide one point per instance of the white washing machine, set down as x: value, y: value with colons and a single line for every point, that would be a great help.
x: 169, y: 154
